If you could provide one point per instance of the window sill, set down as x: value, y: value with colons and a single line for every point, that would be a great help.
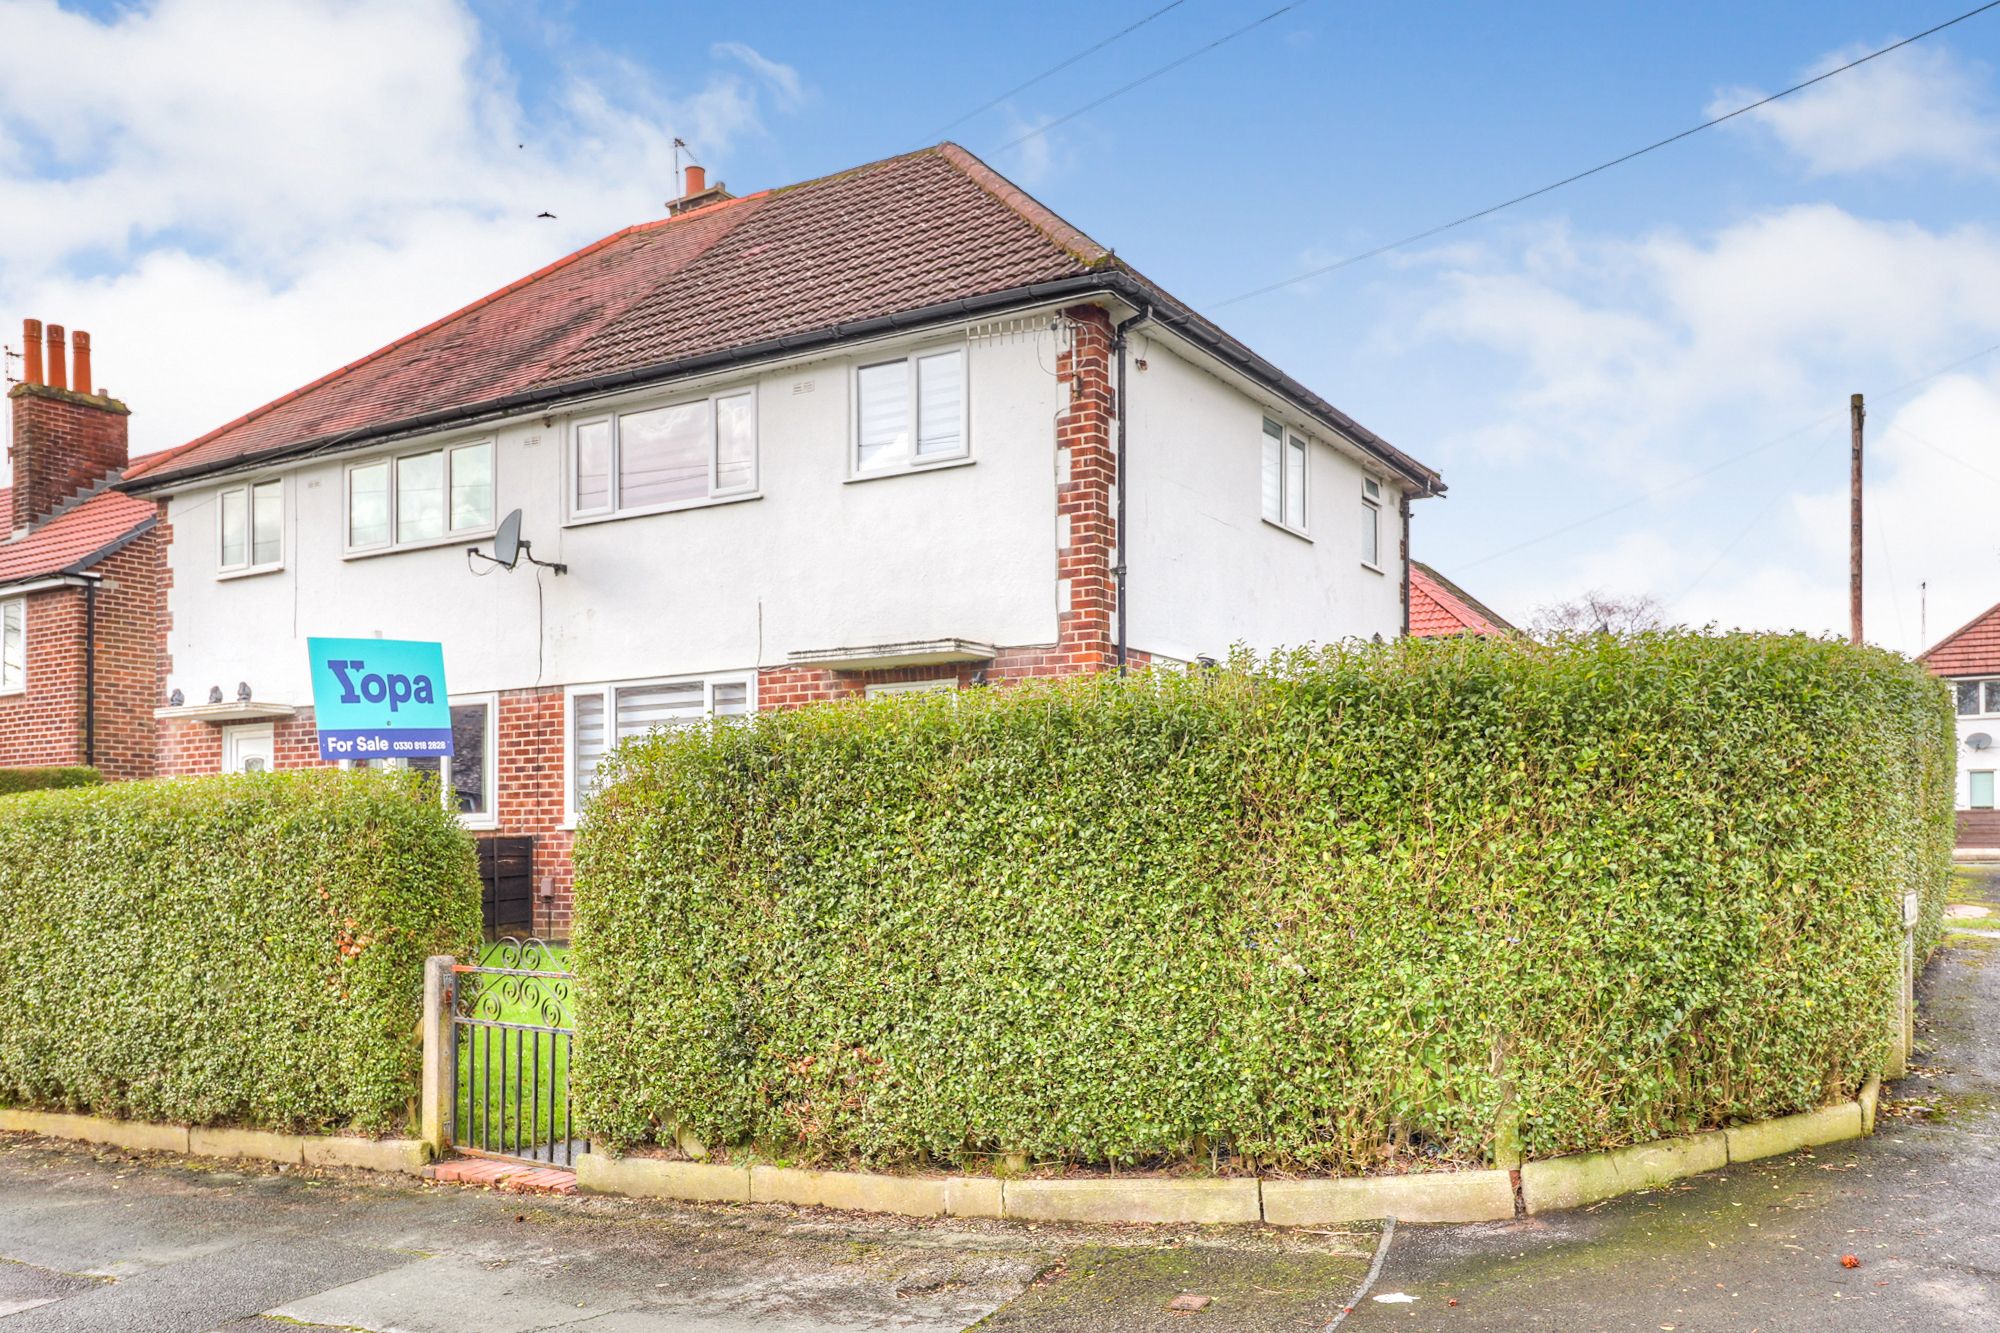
x: 1374, y: 569
x: 227, y: 575
x: 708, y: 502
x: 13, y: 691
x: 1288, y: 530
x: 430, y: 544
x: 914, y: 470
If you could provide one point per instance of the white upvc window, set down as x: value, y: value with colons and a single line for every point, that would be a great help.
x: 14, y: 646
x: 1979, y: 789
x: 250, y: 528
x: 603, y: 716
x: 1977, y: 698
x: 1284, y: 477
x: 1371, y: 522
x: 910, y: 413
x: 663, y: 458
x: 439, y: 494
x: 466, y: 780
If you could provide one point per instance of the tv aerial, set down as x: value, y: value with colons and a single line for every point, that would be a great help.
x: 510, y: 548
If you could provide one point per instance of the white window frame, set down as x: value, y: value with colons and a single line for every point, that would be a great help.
x: 717, y: 494
x: 1986, y: 685
x: 248, y: 565
x: 451, y: 536
x: 1371, y: 512
x: 889, y: 688
x: 15, y: 608
x: 608, y: 692
x: 1287, y: 437
x: 909, y: 462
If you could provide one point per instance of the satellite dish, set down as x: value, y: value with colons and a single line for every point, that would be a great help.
x: 1978, y: 740
x: 510, y: 548
x: 507, y: 541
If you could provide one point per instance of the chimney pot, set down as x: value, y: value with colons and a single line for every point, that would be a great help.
x: 31, y: 350
x: 80, y: 361
x: 58, y: 359
x: 697, y: 181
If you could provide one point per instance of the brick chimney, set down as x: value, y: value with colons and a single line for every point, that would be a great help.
x: 699, y: 193
x: 67, y: 436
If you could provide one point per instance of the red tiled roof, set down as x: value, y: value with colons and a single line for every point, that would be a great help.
x: 72, y: 542
x: 1440, y: 607
x: 910, y: 233
x: 1973, y: 649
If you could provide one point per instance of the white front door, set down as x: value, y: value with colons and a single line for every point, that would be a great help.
x: 252, y: 749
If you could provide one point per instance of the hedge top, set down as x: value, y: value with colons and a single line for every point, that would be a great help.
x: 13, y: 780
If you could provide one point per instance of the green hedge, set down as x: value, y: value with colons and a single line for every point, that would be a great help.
x: 14, y: 780
x: 243, y: 950
x: 1289, y: 915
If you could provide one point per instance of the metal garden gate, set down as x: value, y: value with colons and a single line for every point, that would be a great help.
x: 511, y: 1030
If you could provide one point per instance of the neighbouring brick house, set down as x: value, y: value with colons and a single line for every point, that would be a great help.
x: 1439, y: 607
x: 860, y: 435
x: 82, y: 572
x: 1968, y: 659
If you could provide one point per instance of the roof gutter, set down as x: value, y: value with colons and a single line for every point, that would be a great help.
x: 1115, y: 282
x: 44, y: 584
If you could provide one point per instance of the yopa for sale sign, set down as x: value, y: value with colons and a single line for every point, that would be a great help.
x: 379, y: 699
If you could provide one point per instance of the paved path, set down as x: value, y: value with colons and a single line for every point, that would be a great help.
x: 99, y: 1241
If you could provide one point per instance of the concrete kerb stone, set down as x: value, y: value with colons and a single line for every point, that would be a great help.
x: 407, y: 1156
x: 263, y: 1144
x: 1132, y: 1200
x: 1871, y: 1098
x: 1437, y: 1196
x: 911, y: 1196
x: 1768, y: 1138
x: 1568, y: 1182
x: 132, y: 1135
x: 658, y: 1178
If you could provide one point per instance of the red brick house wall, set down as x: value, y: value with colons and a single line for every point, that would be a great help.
x: 44, y: 726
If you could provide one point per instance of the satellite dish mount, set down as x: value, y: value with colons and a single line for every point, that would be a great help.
x: 510, y: 548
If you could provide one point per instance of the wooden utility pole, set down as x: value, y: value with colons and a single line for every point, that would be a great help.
x: 1858, y: 413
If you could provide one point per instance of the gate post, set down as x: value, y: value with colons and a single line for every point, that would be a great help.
x: 437, y: 1052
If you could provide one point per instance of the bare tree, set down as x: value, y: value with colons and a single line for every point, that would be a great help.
x: 1599, y: 612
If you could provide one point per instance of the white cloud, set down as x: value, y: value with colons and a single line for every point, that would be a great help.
x: 1921, y: 106
x: 1675, y: 370
x: 235, y: 196
x: 782, y: 78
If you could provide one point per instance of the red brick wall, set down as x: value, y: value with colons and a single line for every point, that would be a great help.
x: 64, y: 443
x: 1086, y: 630
x: 45, y: 725
x: 130, y: 602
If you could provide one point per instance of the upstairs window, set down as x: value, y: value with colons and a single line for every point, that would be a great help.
x: 250, y: 522
x: 665, y: 457
x: 909, y: 413
x: 1371, y: 522
x: 1977, y: 698
x: 602, y: 716
x: 13, y: 646
x: 420, y: 498
x: 1284, y: 477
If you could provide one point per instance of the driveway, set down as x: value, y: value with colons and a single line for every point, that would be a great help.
x: 95, y: 1240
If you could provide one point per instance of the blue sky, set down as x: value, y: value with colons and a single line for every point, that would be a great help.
x: 236, y: 197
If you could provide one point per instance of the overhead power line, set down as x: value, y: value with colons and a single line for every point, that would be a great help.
x: 1489, y: 211
x: 1146, y: 78
x: 1087, y: 51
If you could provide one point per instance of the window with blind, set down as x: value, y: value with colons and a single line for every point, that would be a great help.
x: 1284, y: 479
x: 250, y: 528
x: 603, y: 716
x: 665, y: 457
x: 910, y: 412
x: 419, y: 498
x: 13, y: 646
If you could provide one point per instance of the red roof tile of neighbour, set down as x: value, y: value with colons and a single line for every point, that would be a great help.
x: 74, y: 540
x: 908, y: 234
x: 1973, y: 649
x: 1440, y: 607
